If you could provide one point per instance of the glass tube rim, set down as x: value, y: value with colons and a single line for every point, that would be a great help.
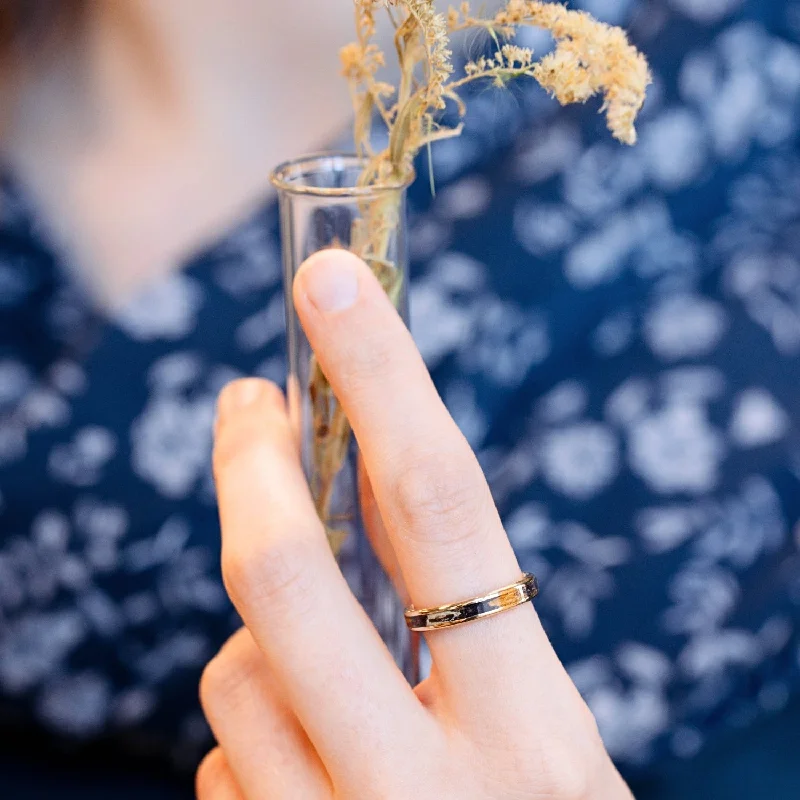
x: 284, y: 176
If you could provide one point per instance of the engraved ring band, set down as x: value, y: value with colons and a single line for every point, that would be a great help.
x: 427, y: 619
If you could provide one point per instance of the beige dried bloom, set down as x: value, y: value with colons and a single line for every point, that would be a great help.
x: 590, y: 58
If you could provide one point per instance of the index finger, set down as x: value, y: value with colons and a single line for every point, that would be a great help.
x: 444, y: 526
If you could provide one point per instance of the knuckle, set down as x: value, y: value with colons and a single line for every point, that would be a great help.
x: 440, y: 498
x: 228, y: 677
x: 276, y: 577
x: 212, y: 776
x: 569, y: 771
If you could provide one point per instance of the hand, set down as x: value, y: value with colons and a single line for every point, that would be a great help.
x: 305, y: 701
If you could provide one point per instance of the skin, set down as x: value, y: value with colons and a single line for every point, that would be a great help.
x: 156, y: 128
x: 305, y: 701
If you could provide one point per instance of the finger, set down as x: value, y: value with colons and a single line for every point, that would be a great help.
x: 214, y: 779
x: 433, y: 497
x: 267, y: 751
x: 428, y: 484
x: 337, y: 676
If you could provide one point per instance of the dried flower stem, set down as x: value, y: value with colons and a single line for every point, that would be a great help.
x: 590, y: 58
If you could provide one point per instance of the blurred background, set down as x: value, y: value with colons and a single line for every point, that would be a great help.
x: 616, y: 330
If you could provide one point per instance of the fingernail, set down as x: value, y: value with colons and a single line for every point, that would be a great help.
x: 330, y: 281
x: 238, y: 395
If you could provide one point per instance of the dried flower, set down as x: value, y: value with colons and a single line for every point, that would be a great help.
x: 590, y: 58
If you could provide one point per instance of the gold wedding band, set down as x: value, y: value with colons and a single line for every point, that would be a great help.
x: 427, y: 619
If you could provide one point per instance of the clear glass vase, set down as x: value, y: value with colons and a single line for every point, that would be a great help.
x: 323, y: 205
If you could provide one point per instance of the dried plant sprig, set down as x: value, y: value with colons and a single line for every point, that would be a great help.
x: 590, y: 58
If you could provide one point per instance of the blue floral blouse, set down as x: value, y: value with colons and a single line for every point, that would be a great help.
x: 617, y: 332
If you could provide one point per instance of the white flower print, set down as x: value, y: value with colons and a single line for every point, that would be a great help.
x: 272, y: 369
x: 757, y: 419
x: 684, y: 326
x: 599, y: 552
x: 529, y: 527
x: 76, y: 704
x: 44, y: 408
x: 101, y: 613
x: 743, y: 527
x: 769, y: 287
x: 427, y: 237
x: 573, y: 592
x: 454, y: 155
x: 439, y: 324
x: 182, y: 649
x: 505, y: 342
x: 443, y: 305
x: 745, y: 87
x: 50, y: 530
x: 13, y: 441
x: 466, y: 199
x: 676, y: 148
x: 629, y: 720
x: 563, y: 403
x: 68, y: 378
x: 35, y: 645
x: 100, y: 521
x: 249, y: 261
x: 581, y: 460
x: 167, y: 310
x: 664, y: 529
x: 543, y: 228
x: 644, y: 236
x: 629, y: 717
x: 547, y: 154
x: 643, y: 664
x: 134, y: 705
x: 676, y: 450
x: 703, y: 597
x: 603, y: 178
x: 614, y: 334
x: 508, y: 471
x: 162, y: 548
x: 15, y: 378
x: 629, y: 402
x: 175, y: 372
x: 690, y: 385
x: 710, y: 653
x: 264, y: 327
x: 172, y: 443
x: 81, y: 462
x: 764, y: 203
x: 465, y: 410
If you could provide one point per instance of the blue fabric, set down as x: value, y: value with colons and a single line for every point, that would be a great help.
x: 617, y: 331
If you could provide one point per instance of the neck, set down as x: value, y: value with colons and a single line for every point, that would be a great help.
x: 167, y: 128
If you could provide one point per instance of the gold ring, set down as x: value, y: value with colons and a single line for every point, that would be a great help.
x: 427, y: 619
